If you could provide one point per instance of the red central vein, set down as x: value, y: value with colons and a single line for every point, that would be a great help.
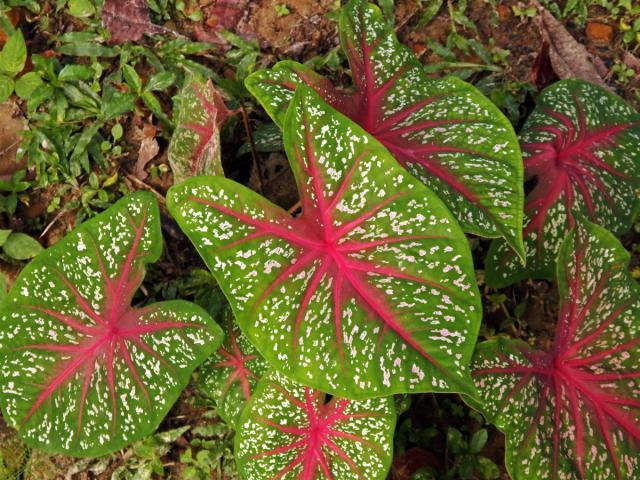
x: 106, y: 340
x: 313, y: 439
x: 236, y: 360
x: 568, y: 375
x: 568, y: 164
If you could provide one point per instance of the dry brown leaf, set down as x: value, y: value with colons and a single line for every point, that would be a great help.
x: 570, y: 59
x: 600, y: 33
x: 128, y: 20
x: 149, y: 148
x: 11, y: 128
x: 224, y: 14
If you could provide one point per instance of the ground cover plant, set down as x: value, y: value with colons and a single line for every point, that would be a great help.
x: 444, y: 131
x: 405, y: 289
x: 572, y: 411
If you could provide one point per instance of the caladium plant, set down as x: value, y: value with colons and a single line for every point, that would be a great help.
x: 580, y: 147
x: 230, y: 375
x: 573, y: 412
x: 195, y: 144
x: 370, y: 291
x: 82, y: 371
x: 444, y: 131
x: 288, y: 431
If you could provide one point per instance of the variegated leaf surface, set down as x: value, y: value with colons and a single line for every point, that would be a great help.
x: 289, y: 431
x: 81, y: 371
x: 370, y: 291
x: 231, y: 374
x: 573, y: 412
x: 195, y: 144
x: 443, y: 131
x: 580, y: 147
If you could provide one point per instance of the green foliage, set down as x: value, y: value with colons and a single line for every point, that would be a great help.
x: 195, y: 144
x: 290, y: 431
x: 82, y: 371
x: 229, y: 376
x: 580, y: 149
x: 348, y: 263
x: 18, y: 246
x: 571, y: 411
x: 443, y: 131
x: 13, y: 57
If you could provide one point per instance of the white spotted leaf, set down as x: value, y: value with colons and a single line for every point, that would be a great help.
x: 573, y: 412
x: 370, y: 291
x: 195, y: 144
x: 288, y: 431
x: 580, y: 147
x: 82, y: 372
x: 232, y: 372
x: 444, y: 131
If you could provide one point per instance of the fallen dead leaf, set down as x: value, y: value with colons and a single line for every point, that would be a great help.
x: 631, y: 61
x: 128, y: 20
x: 600, y: 33
x: 224, y: 14
x: 149, y: 148
x: 11, y: 128
x: 570, y: 59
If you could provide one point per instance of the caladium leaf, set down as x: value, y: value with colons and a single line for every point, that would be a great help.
x: 580, y: 146
x: 444, y: 131
x: 81, y: 371
x: 573, y: 412
x: 195, y: 144
x: 370, y: 291
x: 288, y: 431
x: 230, y: 375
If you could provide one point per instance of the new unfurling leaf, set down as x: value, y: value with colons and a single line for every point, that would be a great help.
x: 195, y: 145
x: 81, y: 371
x: 370, y: 291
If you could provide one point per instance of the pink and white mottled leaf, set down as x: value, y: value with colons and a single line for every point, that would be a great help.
x: 81, y: 371
x: 370, y: 291
x: 195, y: 144
x: 573, y: 412
x: 580, y: 146
x: 231, y: 374
x: 443, y: 131
x: 288, y: 431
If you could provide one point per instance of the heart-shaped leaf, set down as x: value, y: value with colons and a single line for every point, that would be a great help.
x: 444, y: 131
x: 195, y: 144
x: 288, y: 431
x: 370, y: 291
x: 580, y: 146
x: 230, y: 375
x: 573, y: 412
x: 81, y: 371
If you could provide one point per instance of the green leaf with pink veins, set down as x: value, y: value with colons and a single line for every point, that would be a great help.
x: 195, y: 144
x: 581, y: 155
x: 444, y: 131
x: 230, y: 375
x: 82, y: 372
x: 573, y: 411
x: 291, y: 432
x: 370, y: 291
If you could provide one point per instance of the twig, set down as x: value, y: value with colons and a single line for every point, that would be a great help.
x: 254, y: 154
x: 139, y: 182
